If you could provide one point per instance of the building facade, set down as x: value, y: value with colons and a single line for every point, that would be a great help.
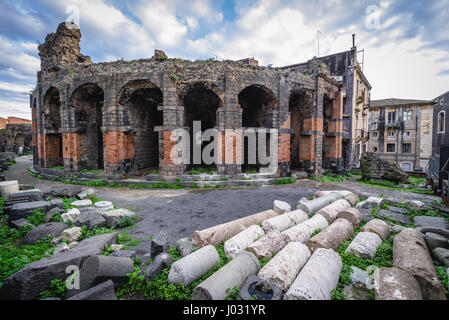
x: 441, y: 123
x: 12, y: 120
x: 345, y: 67
x: 123, y: 116
x: 401, y: 131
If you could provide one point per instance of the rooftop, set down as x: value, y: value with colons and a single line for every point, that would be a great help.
x: 393, y: 102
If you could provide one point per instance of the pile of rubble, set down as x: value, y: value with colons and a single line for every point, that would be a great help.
x: 6, y: 160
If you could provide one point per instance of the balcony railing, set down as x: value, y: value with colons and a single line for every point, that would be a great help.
x: 393, y: 124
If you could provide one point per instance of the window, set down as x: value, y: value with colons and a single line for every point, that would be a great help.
x: 392, y: 117
x: 407, y: 148
x: 374, y: 149
x: 406, y: 166
x: 407, y: 115
x: 391, y: 147
x: 391, y: 133
x: 407, y: 133
x: 375, y: 134
x: 441, y: 122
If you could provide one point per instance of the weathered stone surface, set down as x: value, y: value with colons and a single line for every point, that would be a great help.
x: 28, y: 283
x: 349, y: 196
x: 379, y: 227
x: 281, y: 207
x: 144, y: 248
x: 370, y: 203
x: 410, y: 254
x: 285, y: 266
x: 331, y: 237
x: 310, y: 207
x: 401, y: 218
x: 62, y: 247
x: 50, y: 214
x: 192, y: 267
x: 352, y: 215
x: 160, y: 244
x: 103, y: 291
x: 85, y: 193
x: 161, y: 262
x: 365, y: 245
x: 53, y: 229
x: 104, y: 205
x: 285, y: 221
x: 233, y: 274
x: 8, y: 187
x: 440, y: 231
x: 82, y: 203
x: 91, y: 219
x: 265, y: 246
x: 415, y: 205
x: 241, y: 241
x: 68, y: 192
x: 216, y: 235
x: 398, y: 210
x: 318, y: 278
x: 97, y: 269
x: 72, y: 234
x: 254, y: 287
x: 23, y: 210
x: 331, y: 211
x: 395, y: 284
x: 71, y: 215
x: 114, y: 217
x: 441, y: 255
x: 21, y: 222
x: 184, y: 246
x: 303, y: 231
x: 26, y: 196
x: 357, y: 293
x: 57, y: 203
x: 434, y: 241
x: 124, y: 254
x: 435, y: 222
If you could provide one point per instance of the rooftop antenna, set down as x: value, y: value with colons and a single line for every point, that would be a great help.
x: 318, y: 33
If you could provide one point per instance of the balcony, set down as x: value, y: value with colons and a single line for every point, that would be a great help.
x: 393, y: 124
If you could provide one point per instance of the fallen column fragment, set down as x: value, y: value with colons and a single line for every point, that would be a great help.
x: 378, y: 227
x: 265, y: 246
x: 352, y: 215
x: 331, y: 211
x: 310, y: 207
x: 194, y: 266
x: 216, y: 235
x: 410, y: 254
x: 234, y: 274
x: 331, y: 237
x: 303, y: 231
x: 285, y: 221
x: 241, y: 241
x: 365, y: 245
x: 395, y: 284
x: 281, y: 207
x: 349, y: 196
x: 318, y: 278
x: 285, y: 266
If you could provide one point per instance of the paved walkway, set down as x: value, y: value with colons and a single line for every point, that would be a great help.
x: 181, y: 212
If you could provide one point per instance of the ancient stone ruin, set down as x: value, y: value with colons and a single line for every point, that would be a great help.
x: 120, y: 116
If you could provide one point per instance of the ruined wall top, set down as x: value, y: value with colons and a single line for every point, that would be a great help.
x: 62, y: 48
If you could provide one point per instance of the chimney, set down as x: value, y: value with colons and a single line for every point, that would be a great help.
x: 353, y: 40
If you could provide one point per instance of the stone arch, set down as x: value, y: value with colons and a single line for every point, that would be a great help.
x: 142, y: 100
x: 52, y: 153
x: 202, y: 102
x: 51, y: 109
x: 87, y: 103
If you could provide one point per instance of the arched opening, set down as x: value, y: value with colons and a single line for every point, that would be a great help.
x: 327, y: 117
x: 298, y: 108
x: 88, y: 100
x: 257, y: 103
x: 142, y: 99
x: 201, y: 103
x: 52, y: 125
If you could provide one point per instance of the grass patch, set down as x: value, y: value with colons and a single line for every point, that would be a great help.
x: 332, y: 178
x: 414, y: 182
x: 283, y: 181
x: 443, y: 276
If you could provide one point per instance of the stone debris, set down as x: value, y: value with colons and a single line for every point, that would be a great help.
x: 281, y: 207
x: 370, y: 203
x: 72, y: 234
x: 410, y: 243
x: 114, y: 217
x: 104, y: 205
x: 8, y: 187
x: 20, y: 223
x: 61, y: 248
x: 259, y: 289
x: 395, y: 284
x: 379, y: 227
x: 434, y: 222
x: 331, y: 211
x: 192, y: 267
x: 267, y: 245
x: 434, y: 241
x: 285, y: 266
x: 103, y: 291
x: 53, y: 212
x: 161, y: 262
x: 160, y: 244
x: 217, y: 234
x: 71, y: 215
x: 184, y: 246
x: 24, y: 196
x: 310, y: 207
x: 90, y: 219
x: 241, y: 241
x: 331, y: 237
x: 82, y: 203
x: 352, y: 215
x: 116, y: 247
x: 86, y: 193
x: 52, y: 229
x: 365, y: 245
x: 415, y: 205
x: 318, y: 278
x: 349, y: 196
x: 441, y: 255
x: 24, y: 210
x: 285, y: 221
x: 303, y: 231
x: 401, y: 218
x: 219, y: 285
x: 66, y: 192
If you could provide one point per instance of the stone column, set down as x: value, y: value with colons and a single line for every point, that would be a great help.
x: 331, y: 237
x: 241, y: 241
x: 365, y: 245
x: 303, y: 231
x: 310, y: 207
x: 285, y: 221
x: 318, y: 278
x: 331, y: 211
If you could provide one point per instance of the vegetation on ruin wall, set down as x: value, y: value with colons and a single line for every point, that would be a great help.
x: 414, y: 184
x: 330, y: 178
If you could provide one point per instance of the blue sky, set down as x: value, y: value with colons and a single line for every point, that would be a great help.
x: 406, y: 42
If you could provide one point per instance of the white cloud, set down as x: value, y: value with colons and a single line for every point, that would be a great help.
x: 20, y: 108
x: 15, y: 87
